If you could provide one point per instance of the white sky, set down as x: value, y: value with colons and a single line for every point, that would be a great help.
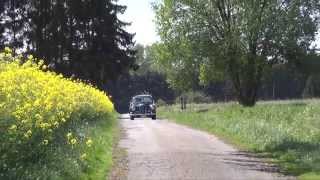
x: 318, y: 40
x: 140, y: 14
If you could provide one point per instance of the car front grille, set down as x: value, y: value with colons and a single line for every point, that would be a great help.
x: 143, y: 110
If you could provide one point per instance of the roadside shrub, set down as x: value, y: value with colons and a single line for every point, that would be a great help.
x: 44, y: 120
x: 161, y: 102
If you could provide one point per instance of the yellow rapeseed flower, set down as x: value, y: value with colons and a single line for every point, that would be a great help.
x: 44, y: 67
x: 69, y: 135
x: 13, y: 127
x: 38, y: 116
x: 37, y: 102
x: 49, y: 106
x: 41, y: 62
x: 44, y: 126
x: 56, y: 124
x: 45, y: 142
x: 73, y: 141
x: 44, y: 100
x: 89, y: 142
x: 8, y: 50
x: 83, y: 156
x: 30, y: 57
x: 28, y: 134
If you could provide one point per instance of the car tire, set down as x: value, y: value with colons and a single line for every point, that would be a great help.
x: 154, y: 117
x: 131, y: 117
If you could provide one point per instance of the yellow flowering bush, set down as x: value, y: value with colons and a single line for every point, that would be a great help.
x: 40, y: 111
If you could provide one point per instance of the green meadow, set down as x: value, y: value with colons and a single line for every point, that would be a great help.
x: 286, y: 132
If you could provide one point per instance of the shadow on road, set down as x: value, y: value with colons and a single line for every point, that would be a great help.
x: 251, y: 161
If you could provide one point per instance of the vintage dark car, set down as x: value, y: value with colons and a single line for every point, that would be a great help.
x: 142, y: 106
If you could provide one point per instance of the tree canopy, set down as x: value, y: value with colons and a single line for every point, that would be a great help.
x: 82, y: 39
x: 233, y: 39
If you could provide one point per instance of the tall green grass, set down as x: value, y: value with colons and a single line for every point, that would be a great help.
x: 288, y: 131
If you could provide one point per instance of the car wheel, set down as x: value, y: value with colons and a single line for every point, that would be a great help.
x: 154, y: 117
x: 131, y: 117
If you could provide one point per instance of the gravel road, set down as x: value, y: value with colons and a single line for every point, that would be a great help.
x: 163, y: 150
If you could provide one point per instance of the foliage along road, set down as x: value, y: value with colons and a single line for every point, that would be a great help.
x: 163, y: 150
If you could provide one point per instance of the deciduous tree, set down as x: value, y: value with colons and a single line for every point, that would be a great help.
x: 235, y: 39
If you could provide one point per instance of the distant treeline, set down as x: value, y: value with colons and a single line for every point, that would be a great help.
x: 130, y: 85
x: 282, y: 84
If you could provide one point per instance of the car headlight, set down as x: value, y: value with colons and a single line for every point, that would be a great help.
x: 153, y: 106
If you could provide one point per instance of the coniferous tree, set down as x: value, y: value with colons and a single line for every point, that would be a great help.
x: 82, y: 39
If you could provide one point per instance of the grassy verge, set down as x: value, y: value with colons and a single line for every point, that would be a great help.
x: 100, y: 158
x: 120, y: 158
x: 287, y: 131
x: 63, y: 164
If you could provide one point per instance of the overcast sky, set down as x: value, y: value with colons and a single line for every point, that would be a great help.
x: 140, y: 14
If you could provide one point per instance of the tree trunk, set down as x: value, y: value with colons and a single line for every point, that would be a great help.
x: 246, y: 80
x: 248, y: 96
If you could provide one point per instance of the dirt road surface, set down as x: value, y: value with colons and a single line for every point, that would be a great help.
x: 158, y: 149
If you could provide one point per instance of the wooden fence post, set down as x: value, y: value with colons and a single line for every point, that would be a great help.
x: 181, y: 102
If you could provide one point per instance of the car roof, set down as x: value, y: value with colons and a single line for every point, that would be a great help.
x: 142, y: 95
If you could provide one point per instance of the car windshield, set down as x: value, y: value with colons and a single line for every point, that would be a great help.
x: 143, y: 99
